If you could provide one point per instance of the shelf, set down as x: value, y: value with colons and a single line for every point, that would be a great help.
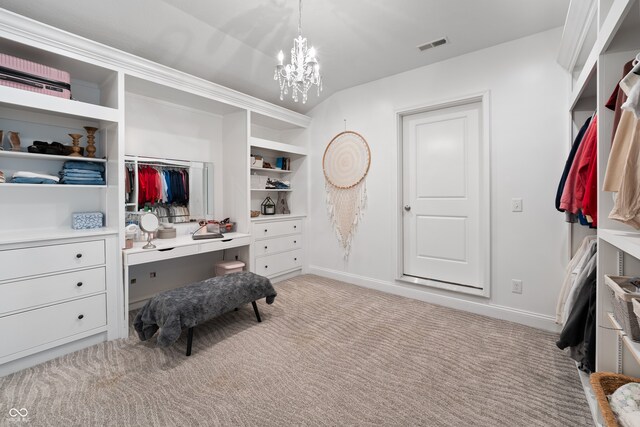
x: 32, y: 101
x: 38, y: 235
x: 634, y: 347
x: 277, y: 146
x: 270, y: 170
x: 272, y: 190
x: 10, y: 184
x: 36, y: 156
x: 626, y: 241
x: 588, y: 393
x: 262, y: 218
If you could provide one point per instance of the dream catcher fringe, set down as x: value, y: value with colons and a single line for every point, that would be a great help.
x: 346, y: 164
x: 346, y: 207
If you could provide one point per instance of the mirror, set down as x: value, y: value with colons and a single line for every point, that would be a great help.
x: 149, y: 224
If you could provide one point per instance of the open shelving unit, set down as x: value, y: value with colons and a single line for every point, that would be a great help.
x: 600, y: 37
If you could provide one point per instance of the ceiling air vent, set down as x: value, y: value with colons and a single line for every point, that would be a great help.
x: 433, y: 44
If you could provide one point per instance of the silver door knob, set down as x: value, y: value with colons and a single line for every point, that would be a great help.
x: 407, y: 208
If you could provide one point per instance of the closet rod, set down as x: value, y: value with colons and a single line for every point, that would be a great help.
x: 161, y: 165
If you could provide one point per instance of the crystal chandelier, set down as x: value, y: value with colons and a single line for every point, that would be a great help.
x: 304, y: 70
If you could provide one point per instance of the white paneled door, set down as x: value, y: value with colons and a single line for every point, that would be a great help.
x: 444, y: 180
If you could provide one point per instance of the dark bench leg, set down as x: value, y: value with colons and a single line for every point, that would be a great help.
x: 255, y: 309
x: 189, y: 341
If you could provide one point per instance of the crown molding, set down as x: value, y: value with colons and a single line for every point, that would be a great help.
x: 576, y: 27
x: 28, y: 31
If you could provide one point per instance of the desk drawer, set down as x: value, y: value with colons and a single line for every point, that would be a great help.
x: 278, y: 244
x: 50, y: 259
x: 277, y: 228
x: 23, y: 294
x: 161, y: 254
x: 37, y: 327
x: 272, y: 265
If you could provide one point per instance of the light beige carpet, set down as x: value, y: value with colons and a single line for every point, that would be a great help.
x: 327, y: 354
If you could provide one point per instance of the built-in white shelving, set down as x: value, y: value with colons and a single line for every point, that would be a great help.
x: 279, y: 190
x: 627, y: 241
x: 278, y: 146
x: 29, y: 185
x: 32, y: 101
x: 37, y: 156
x: 263, y: 218
x: 271, y: 170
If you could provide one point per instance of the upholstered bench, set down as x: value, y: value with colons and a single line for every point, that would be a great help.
x: 191, y: 305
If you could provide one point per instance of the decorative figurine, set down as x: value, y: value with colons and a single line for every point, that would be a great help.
x: 76, y: 144
x: 91, y: 141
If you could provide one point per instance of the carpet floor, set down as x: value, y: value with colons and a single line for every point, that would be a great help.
x: 326, y: 354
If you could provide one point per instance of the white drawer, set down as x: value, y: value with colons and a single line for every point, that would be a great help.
x: 277, y: 244
x: 50, y: 259
x: 37, y: 327
x: 277, y: 228
x: 272, y: 265
x: 153, y: 255
x: 43, y: 290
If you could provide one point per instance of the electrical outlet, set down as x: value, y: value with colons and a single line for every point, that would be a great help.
x: 133, y: 281
x: 516, y: 205
x: 152, y: 274
x: 516, y: 286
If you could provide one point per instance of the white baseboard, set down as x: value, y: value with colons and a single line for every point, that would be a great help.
x: 523, y: 317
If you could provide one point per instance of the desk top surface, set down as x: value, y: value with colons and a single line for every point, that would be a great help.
x: 184, y: 240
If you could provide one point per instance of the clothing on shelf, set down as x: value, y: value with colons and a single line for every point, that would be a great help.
x: 171, y: 213
x: 577, y: 191
x: 579, y: 311
x: 22, y: 177
x: 128, y: 182
x: 623, y: 175
x: 617, y: 98
x: 2, y: 179
x: 82, y: 173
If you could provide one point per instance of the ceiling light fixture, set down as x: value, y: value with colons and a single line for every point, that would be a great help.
x: 304, y: 70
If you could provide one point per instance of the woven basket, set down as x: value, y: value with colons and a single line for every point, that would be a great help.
x: 621, y: 302
x: 604, y: 384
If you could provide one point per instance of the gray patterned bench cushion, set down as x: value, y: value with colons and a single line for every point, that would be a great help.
x: 198, y: 302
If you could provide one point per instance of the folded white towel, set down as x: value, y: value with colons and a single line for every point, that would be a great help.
x: 23, y: 174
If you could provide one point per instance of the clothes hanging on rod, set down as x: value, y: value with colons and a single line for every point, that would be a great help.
x: 622, y: 175
x: 579, y: 311
x: 576, y: 265
x: 577, y: 189
x: 163, y: 184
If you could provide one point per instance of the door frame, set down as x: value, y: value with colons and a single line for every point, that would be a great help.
x: 485, y: 194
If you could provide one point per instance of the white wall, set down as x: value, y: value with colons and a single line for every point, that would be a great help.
x: 529, y: 128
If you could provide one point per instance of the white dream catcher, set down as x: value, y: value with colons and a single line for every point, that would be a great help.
x: 345, y: 164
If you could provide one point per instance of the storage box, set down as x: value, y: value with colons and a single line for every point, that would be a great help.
x: 86, y: 220
x: 622, y: 294
x: 27, y: 75
x: 605, y: 384
x: 228, y: 267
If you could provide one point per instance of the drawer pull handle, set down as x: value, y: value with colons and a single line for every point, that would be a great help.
x: 78, y: 256
x: 295, y: 259
x: 295, y: 226
x: 294, y: 242
x: 265, y: 230
x: 265, y: 247
x: 79, y: 284
x: 81, y: 316
x: 266, y: 266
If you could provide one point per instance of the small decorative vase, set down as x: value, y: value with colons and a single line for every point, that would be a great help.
x: 76, y: 144
x: 91, y: 141
x: 14, y: 138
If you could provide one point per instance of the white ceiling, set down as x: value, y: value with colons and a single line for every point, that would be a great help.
x: 234, y: 43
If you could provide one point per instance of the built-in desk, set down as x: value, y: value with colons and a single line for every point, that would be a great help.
x: 165, y: 249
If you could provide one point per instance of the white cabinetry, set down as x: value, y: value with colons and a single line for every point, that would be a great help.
x: 55, y: 293
x: 278, y: 246
x: 600, y: 37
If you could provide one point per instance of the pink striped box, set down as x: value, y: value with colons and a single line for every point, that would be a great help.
x: 22, y: 74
